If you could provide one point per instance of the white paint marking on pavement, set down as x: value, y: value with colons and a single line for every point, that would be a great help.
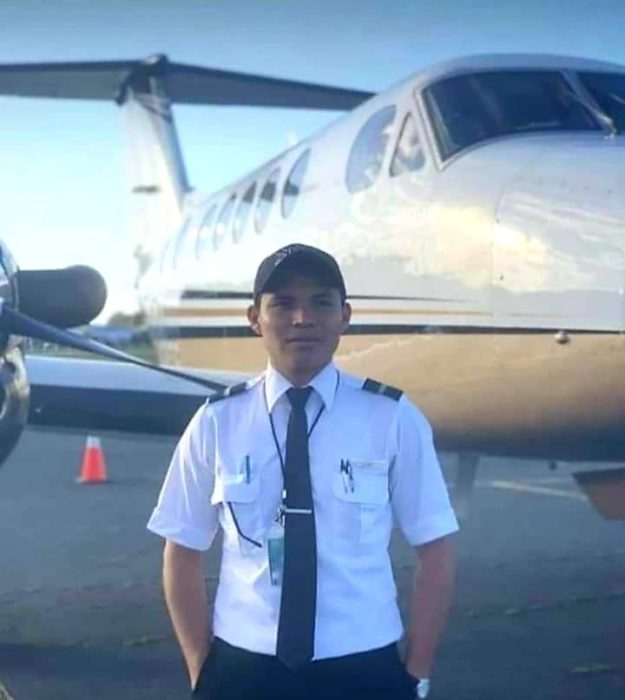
x: 4, y: 693
x: 515, y: 486
x: 551, y: 479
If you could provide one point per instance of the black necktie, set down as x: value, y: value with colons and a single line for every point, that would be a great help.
x: 296, y: 628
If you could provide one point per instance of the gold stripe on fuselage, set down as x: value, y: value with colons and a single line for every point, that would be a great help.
x: 474, y: 387
x: 180, y: 312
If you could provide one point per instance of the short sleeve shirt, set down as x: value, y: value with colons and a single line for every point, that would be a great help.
x: 226, y: 472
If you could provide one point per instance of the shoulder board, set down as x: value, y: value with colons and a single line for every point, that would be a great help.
x: 382, y: 389
x: 228, y: 392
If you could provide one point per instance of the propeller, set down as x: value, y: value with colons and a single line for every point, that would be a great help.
x: 52, y: 300
x: 43, y: 304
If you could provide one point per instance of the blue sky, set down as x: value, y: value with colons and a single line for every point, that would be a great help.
x: 63, y: 198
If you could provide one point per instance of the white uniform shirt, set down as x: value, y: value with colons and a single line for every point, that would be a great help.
x: 226, y: 462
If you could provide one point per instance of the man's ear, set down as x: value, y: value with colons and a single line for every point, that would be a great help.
x: 253, y: 313
x: 347, y: 315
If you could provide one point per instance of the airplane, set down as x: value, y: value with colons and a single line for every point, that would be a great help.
x: 475, y: 208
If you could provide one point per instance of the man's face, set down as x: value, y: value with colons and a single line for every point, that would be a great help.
x: 301, y: 324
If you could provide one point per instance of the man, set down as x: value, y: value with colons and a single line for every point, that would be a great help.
x: 304, y: 468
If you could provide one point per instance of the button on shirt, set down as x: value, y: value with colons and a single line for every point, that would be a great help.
x: 226, y: 472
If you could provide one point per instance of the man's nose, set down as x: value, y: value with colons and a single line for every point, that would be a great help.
x: 303, y: 316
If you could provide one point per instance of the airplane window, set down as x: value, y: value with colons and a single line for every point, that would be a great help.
x: 221, y: 227
x: 204, y: 232
x: 293, y: 185
x: 408, y: 155
x: 265, y: 200
x: 608, y: 89
x: 243, y: 213
x: 467, y: 109
x: 367, y: 152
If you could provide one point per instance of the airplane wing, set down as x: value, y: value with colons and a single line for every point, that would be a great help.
x: 69, y: 393
x: 185, y: 84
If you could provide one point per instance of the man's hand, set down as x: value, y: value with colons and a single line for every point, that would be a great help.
x: 194, y: 667
x: 185, y: 594
x: 429, y: 604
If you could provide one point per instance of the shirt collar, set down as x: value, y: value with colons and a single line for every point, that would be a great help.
x: 324, y: 383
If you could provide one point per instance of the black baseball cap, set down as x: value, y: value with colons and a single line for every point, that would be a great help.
x: 299, y: 258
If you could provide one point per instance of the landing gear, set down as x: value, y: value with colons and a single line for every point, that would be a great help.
x: 466, y: 471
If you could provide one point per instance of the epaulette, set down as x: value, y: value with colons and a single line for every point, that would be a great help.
x: 228, y: 392
x: 382, y: 389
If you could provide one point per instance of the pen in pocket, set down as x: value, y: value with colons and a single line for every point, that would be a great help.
x: 347, y: 475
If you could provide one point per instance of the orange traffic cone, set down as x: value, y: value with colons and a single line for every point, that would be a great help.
x: 93, y: 467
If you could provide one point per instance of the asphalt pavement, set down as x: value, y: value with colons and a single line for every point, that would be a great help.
x: 539, y: 611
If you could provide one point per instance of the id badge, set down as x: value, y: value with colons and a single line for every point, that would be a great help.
x: 275, y: 551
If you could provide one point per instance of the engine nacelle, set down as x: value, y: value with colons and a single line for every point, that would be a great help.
x: 63, y: 298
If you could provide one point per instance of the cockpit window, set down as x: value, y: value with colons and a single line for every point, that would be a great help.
x: 608, y: 89
x: 471, y: 108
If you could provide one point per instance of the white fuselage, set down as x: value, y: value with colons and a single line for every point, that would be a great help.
x: 490, y: 283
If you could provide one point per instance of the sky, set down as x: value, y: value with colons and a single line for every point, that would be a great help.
x: 63, y: 196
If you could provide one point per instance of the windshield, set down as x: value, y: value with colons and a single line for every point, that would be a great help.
x: 472, y: 108
x: 608, y: 89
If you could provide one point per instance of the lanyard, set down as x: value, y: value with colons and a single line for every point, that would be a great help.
x: 275, y: 436
x: 280, y: 515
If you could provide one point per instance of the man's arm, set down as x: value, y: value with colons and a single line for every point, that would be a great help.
x: 185, y: 594
x: 430, y: 601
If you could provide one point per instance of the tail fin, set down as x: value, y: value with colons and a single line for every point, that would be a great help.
x: 157, y: 175
x: 144, y: 90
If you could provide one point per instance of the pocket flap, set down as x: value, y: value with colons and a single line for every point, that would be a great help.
x: 368, y: 486
x: 235, y: 490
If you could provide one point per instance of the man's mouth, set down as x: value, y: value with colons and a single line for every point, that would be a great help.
x: 302, y: 341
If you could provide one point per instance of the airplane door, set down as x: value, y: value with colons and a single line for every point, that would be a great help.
x: 399, y: 240
x: 406, y: 188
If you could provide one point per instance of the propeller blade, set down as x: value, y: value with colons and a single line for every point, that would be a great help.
x: 17, y: 323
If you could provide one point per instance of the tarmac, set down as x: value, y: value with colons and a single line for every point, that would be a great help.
x: 539, y: 610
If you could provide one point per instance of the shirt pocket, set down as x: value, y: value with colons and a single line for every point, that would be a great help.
x: 361, y: 501
x: 237, y: 491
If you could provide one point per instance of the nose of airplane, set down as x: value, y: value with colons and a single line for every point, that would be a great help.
x: 559, y: 243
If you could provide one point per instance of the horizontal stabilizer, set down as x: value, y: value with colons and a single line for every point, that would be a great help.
x: 184, y: 84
